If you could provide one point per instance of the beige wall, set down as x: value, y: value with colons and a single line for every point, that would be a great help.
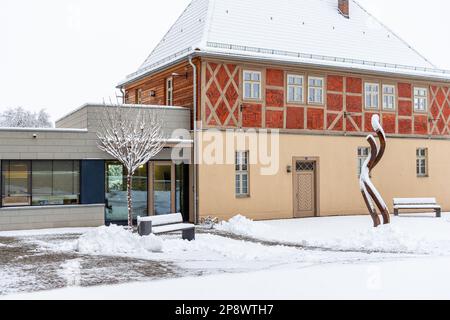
x: 272, y: 196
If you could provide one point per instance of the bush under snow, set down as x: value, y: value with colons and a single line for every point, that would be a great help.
x: 115, y: 240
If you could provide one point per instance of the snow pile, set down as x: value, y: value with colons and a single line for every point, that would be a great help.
x: 115, y: 240
x: 386, y: 238
x: 242, y: 226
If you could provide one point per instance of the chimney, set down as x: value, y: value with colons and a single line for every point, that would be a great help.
x: 344, y: 8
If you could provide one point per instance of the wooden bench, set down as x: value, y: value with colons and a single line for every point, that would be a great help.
x: 416, y: 204
x: 165, y: 224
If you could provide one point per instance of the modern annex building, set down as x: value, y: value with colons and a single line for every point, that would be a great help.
x: 316, y: 70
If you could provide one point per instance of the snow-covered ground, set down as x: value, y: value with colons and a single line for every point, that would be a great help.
x: 336, y: 257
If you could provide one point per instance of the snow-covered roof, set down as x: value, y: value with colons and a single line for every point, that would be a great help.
x: 295, y: 31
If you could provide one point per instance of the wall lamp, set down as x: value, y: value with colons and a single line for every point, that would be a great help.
x: 152, y: 93
x: 289, y: 169
x: 186, y: 75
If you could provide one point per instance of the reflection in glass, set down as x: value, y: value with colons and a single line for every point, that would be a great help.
x: 162, y: 189
x: 55, y: 182
x: 116, y: 192
x: 16, y: 183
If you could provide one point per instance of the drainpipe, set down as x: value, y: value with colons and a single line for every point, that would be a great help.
x: 194, y: 67
x: 123, y: 95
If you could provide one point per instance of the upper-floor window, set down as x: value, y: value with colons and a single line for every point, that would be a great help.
x: 242, y: 173
x: 363, y: 154
x: 169, y: 91
x: 372, y: 93
x: 138, y: 96
x: 252, y: 85
x: 388, y: 97
x: 420, y: 99
x: 315, y: 94
x: 295, y: 88
x: 422, y: 162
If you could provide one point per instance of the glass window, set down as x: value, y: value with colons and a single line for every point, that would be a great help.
x: 420, y: 99
x: 422, y: 162
x: 363, y: 153
x: 295, y: 88
x: 242, y: 173
x: 116, y: 192
x: 169, y: 91
x: 252, y: 85
x: 372, y: 95
x: 315, y: 90
x: 162, y: 181
x: 388, y: 97
x: 55, y: 182
x: 16, y: 183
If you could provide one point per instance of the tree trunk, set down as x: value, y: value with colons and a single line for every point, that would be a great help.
x: 129, y: 201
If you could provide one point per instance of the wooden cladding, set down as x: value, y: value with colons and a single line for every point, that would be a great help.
x: 343, y: 110
x: 153, y: 89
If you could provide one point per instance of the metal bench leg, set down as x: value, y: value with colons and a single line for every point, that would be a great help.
x: 189, y: 234
x: 438, y: 213
x: 396, y: 212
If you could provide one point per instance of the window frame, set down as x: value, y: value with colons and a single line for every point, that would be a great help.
x: 322, y: 88
x: 394, y: 95
x: 169, y: 91
x: 239, y: 171
x: 30, y: 181
x: 425, y: 98
x: 361, y: 158
x: 138, y: 96
x: 252, y: 83
x: 372, y: 95
x: 288, y: 86
x: 419, y: 158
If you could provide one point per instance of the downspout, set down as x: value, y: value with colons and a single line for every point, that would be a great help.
x: 123, y: 95
x: 194, y: 67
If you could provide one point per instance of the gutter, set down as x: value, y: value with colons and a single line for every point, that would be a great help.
x: 194, y: 85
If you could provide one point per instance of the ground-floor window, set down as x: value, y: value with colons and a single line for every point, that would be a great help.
x: 40, y: 183
x: 242, y: 174
x: 422, y: 162
x: 116, y: 192
x: 363, y: 154
x: 159, y: 188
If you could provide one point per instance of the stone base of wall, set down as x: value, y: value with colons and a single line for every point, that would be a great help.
x: 28, y: 218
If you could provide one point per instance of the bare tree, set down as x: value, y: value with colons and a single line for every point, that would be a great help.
x: 21, y: 118
x: 133, y: 136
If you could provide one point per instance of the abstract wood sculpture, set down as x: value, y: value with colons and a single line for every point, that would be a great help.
x: 368, y: 190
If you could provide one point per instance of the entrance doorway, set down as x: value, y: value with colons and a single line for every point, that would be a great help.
x: 305, y: 188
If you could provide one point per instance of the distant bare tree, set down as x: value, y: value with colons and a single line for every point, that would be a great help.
x: 21, y: 118
x: 133, y: 137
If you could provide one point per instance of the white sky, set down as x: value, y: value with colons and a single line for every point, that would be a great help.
x: 59, y: 54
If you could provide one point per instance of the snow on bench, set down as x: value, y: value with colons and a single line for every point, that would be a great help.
x: 164, y: 224
x: 416, y: 203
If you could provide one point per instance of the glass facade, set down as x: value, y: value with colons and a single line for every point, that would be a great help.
x: 162, y: 185
x: 40, y: 183
x: 116, y: 192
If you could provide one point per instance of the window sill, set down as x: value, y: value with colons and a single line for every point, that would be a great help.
x: 243, y: 196
x: 425, y: 176
x: 316, y: 104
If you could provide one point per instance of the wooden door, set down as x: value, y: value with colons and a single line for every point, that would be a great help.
x: 305, y: 189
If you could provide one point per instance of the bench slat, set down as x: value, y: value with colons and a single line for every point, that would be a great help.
x: 418, y: 206
x: 163, y: 219
x: 400, y: 201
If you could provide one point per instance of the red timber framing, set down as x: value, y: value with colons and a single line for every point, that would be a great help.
x: 343, y: 110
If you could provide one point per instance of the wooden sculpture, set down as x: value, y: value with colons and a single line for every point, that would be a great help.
x: 368, y: 190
